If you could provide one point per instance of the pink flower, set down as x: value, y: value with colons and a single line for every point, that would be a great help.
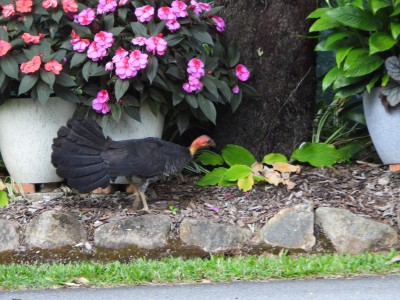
x: 4, y: 47
x: 85, y: 17
x: 79, y: 45
x: 123, y: 69
x: 109, y: 66
x: 166, y: 13
x: 179, y: 9
x: 144, y: 13
x: 219, y: 22
x: 242, y: 73
x: 123, y: 2
x: 23, y: 6
x: 31, y: 66
x: 28, y: 38
x: 204, y: 6
x: 106, y: 6
x: 99, y: 104
x: 196, y: 7
x: 49, y: 3
x: 196, y: 68
x: 119, y: 55
x: 8, y: 10
x: 140, y: 41
x: 53, y: 66
x: 104, y: 39
x: 69, y: 6
x: 236, y: 89
x: 156, y: 44
x: 138, y: 60
x: 173, y: 25
x: 194, y: 84
x: 95, y: 52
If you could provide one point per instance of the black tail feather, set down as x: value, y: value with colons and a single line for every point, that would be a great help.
x: 77, y: 155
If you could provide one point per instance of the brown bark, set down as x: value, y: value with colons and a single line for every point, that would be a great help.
x: 281, y: 117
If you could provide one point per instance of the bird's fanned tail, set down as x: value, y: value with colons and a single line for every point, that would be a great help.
x: 77, y: 155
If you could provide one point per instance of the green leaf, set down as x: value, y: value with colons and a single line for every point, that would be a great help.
x: 152, y: 68
x: 77, y: 59
x: 209, y: 158
x: 65, y: 79
x: 65, y: 93
x: 208, y: 108
x: 133, y: 112
x: 395, y: 29
x: 237, y: 155
x: 376, y: 5
x: 335, y: 38
x: 139, y: 29
x: 121, y: 86
x: 317, y: 154
x: 182, y: 121
x: 318, y: 13
x: 233, y: 56
x: 236, y: 100
x: 216, y: 176
x: 108, y: 22
x: 274, y: 157
x: 373, y: 82
x: 380, y: 41
x: 341, y: 54
x: 236, y: 172
x: 48, y: 77
x: 359, y: 63
x: 43, y: 91
x: 116, y: 112
x: 9, y: 66
x: 3, y: 199
x: 192, y: 101
x: 202, y: 36
x: 209, y: 84
x: 354, y: 17
x: 330, y: 77
x: 27, y: 83
x: 323, y: 24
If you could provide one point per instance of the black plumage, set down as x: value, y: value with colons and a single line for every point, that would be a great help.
x: 88, y: 160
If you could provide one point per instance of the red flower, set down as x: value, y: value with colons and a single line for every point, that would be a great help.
x: 4, y: 47
x: 24, y: 5
x: 31, y: 66
x: 53, y: 66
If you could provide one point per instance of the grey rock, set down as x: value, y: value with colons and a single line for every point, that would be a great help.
x: 147, y: 232
x: 350, y: 233
x: 54, y: 229
x: 291, y: 228
x: 43, y: 196
x: 9, y: 237
x: 212, y: 237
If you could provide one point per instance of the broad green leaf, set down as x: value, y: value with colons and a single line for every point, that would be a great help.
x: 318, y: 13
x: 395, y: 29
x: 192, y: 100
x: 209, y: 158
x: 376, y: 5
x: 208, y: 108
x: 330, y: 77
x: 133, y: 112
x: 116, y: 112
x: 65, y: 93
x: 182, y: 121
x: 323, y: 24
x: 209, y: 84
x: 152, y: 68
x: 9, y: 66
x: 65, y: 79
x: 212, y: 178
x: 43, y: 91
x: 333, y: 39
x: 237, y: 155
x: 116, y: 31
x: 27, y: 83
x: 354, y: 17
x: 348, y: 151
x: 202, y: 36
x: 373, y: 82
x: 380, y: 41
x: 236, y: 100
x: 246, y: 184
x: 139, y: 29
x: 341, y: 54
x: 121, y: 86
x: 342, y: 81
x: 3, y: 199
x: 358, y: 63
x: 236, y: 172
x: 233, y: 56
x: 48, y: 77
x: 174, y: 39
x: 317, y: 154
x: 77, y: 59
x: 274, y: 157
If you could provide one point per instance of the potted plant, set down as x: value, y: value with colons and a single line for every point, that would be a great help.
x: 32, y: 71
x: 364, y: 38
x: 147, y: 58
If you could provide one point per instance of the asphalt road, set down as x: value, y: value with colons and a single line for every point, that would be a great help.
x: 364, y: 288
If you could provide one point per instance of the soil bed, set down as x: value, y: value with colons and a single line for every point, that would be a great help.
x: 365, y: 189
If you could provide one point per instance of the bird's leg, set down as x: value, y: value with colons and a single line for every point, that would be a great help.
x: 133, y: 188
x: 144, y: 201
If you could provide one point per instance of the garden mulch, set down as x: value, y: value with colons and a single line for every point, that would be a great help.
x: 366, y: 189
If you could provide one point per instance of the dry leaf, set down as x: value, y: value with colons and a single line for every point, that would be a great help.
x: 257, y: 167
x: 290, y: 185
x: 82, y: 280
x: 2, y: 185
x: 286, y: 167
x: 273, y: 178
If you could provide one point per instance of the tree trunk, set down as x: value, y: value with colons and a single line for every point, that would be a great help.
x: 284, y: 75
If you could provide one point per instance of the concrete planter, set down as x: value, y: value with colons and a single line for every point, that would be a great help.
x: 27, y: 130
x: 383, y: 127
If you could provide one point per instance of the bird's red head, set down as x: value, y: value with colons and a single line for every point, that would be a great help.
x: 203, y: 141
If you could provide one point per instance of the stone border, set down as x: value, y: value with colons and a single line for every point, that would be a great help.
x: 291, y: 228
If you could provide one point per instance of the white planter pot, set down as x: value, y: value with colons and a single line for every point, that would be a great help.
x: 27, y: 130
x: 383, y: 127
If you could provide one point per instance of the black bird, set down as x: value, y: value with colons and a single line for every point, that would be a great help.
x: 89, y: 160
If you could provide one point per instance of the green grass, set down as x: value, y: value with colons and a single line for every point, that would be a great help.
x: 216, y: 269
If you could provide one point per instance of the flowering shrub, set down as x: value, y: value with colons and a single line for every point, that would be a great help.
x: 122, y: 54
x: 166, y: 54
x: 31, y: 60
